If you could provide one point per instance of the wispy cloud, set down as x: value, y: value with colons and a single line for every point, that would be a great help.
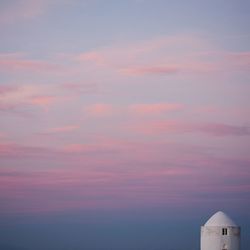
x: 100, y: 109
x: 5, y: 89
x: 63, y: 129
x: 10, y: 63
x: 162, y: 69
x: 143, y: 109
x: 213, y: 129
x: 82, y: 88
x: 164, y: 55
x: 18, y: 98
x: 73, y: 187
x: 92, y: 56
x: 218, y: 129
x: 20, y: 9
x: 14, y: 150
x: 154, y: 108
x: 238, y: 60
x: 42, y: 101
x: 24, y: 10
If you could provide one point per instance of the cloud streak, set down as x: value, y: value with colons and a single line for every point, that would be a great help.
x: 148, y: 70
x: 19, y: 98
x: 19, y: 64
x: 154, y: 108
x: 99, y: 110
x: 212, y: 129
x: 176, y: 55
x: 79, y: 188
x: 63, y: 129
x: 23, y: 10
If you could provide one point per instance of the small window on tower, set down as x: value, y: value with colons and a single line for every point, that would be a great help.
x: 224, y: 231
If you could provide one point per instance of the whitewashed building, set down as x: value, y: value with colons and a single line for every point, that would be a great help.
x: 220, y: 233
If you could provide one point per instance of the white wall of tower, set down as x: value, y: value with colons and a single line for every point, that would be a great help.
x: 213, y: 239
x: 220, y: 233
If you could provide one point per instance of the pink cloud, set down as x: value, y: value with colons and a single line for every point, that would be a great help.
x: 238, y: 60
x: 99, y: 184
x: 194, y: 66
x: 222, y: 61
x: 91, y: 149
x: 85, y: 184
x: 21, y: 10
x: 92, y: 56
x: 7, y: 107
x: 76, y: 148
x: 214, y: 129
x: 218, y: 129
x: 45, y: 101
x: 78, y: 188
x: 82, y: 88
x: 100, y: 109
x: 12, y: 150
x: 63, y: 129
x: 18, y: 10
x: 5, y: 89
x: 2, y: 135
x: 169, y: 69
x: 16, y: 99
x: 13, y: 109
x: 164, y: 55
x: 19, y: 64
x: 42, y: 101
x: 155, y: 108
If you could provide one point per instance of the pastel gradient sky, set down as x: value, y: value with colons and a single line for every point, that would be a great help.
x: 123, y: 122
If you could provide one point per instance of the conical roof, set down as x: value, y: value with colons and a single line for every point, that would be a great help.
x: 220, y: 219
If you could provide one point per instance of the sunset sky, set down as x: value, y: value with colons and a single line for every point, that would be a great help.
x: 124, y: 123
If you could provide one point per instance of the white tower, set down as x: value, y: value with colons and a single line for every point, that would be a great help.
x: 220, y: 233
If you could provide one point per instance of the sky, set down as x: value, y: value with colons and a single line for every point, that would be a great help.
x: 125, y: 124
